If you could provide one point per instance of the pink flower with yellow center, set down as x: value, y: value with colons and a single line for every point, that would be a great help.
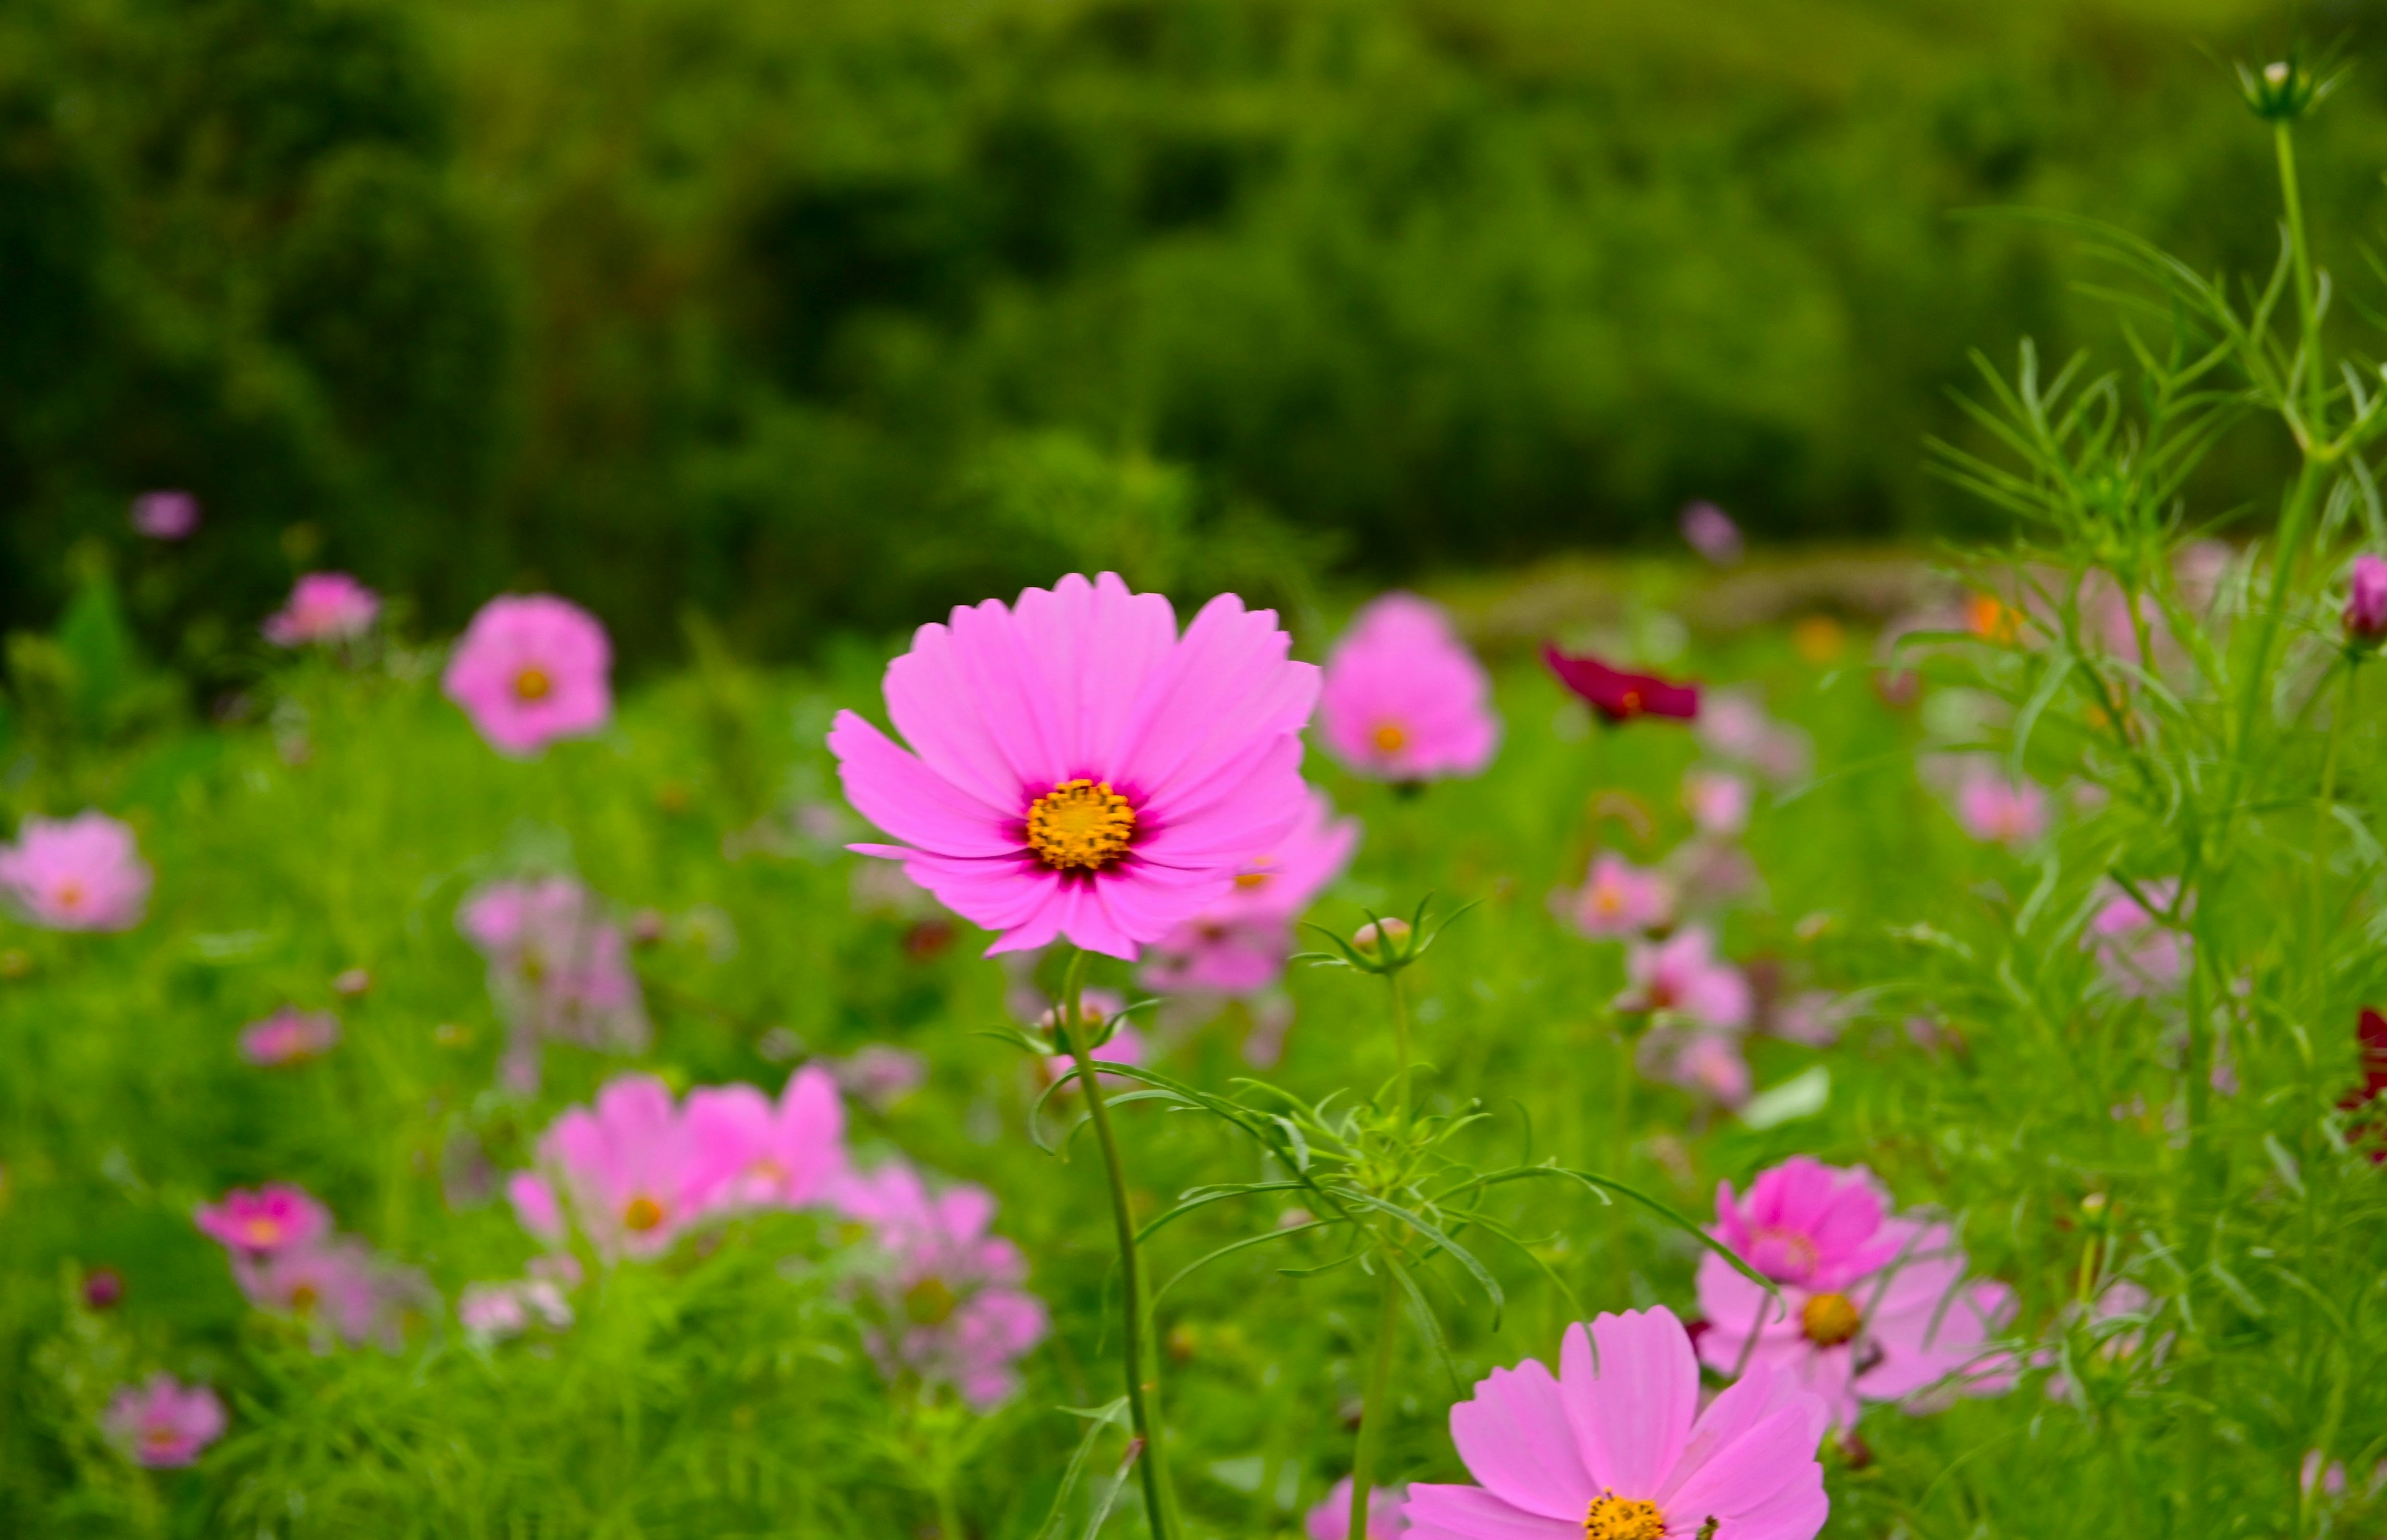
x: 1998, y: 810
x: 1620, y: 900
x: 275, y: 1218
x: 1614, y: 1446
x: 323, y: 607
x: 760, y: 1154
x: 1076, y: 768
x: 1240, y: 944
x: 1405, y: 699
x: 531, y: 669
x: 163, y: 1423
x: 627, y: 1172
x: 83, y: 873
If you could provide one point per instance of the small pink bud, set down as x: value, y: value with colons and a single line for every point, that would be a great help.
x: 2366, y: 601
x: 102, y: 1287
x: 1373, y: 934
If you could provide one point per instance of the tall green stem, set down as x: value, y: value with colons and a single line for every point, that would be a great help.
x: 2323, y: 810
x: 2307, y: 291
x: 1142, y: 1394
x: 1373, y: 1409
x: 1401, y: 1044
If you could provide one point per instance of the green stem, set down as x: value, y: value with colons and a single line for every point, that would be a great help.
x: 2307, y: 292
x: 2321, y: 811
x: 1142, y: 1396
x: 1372, y: 1410
x: 1401, y: 1042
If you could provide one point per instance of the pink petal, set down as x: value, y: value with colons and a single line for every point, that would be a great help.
x: 1227, y: 684
x: 1514, y: 1437
x: 1633, y: 1410
x: 899, y: 794
x: 1471, y: 1513
x: 1095, y: 644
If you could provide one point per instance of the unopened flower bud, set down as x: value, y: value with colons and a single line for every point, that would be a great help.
x: 2366, y: 602
x: 1372, y: 936
x: 102, y: 1287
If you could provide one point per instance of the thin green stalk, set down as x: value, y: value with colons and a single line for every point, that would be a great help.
x: 1373, y: 1409
x: 1143, y: 1397
x: 2307, y: 291
x: 2323, y: 809
x: 1401, y: 1044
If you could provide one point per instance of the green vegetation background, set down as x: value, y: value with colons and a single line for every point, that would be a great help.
x: 820, y: 317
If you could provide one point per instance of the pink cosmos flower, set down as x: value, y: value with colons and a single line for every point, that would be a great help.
x: 290, y: 1036
x: 166, y: 515
x: 1734, y: 725
x: 1239, y: 945
x: 163, y: 1423
x: 1076, y: 768
x: 274, y: 1219
x: 1235, y: 956
x: 559, y: 969
x: 1709, y: 531
x: 1331, y: 1519
x: 83, y: 873
x: 760, y: 1154
x: 1681, y: 976
x: 950, y: 1296
x: 531, y: 669
x: 490, y: 1312
x: 1707, y: 1063
x: 1872, y: 1307
x: 1999, y: 811
x: 2139, y: 953
x: 1405, y: 699
x: 337, y: 1287
x: 629, y: 1171
x: 325, y: 606
x: 1718, y: 803
x: 2366, y: 601
x: 1620, y: 900
x: 1614, y: 1446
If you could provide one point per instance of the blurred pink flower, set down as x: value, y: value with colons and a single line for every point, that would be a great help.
x: 1718, y: 803
x: 1712, y: 1064
x: 2365, y: 599
x: 490, y: 1312
x: 1331, y: 1519
x: 83, y: 873
x: 760, y: 1154
x: 1871, y: 1308
x: 950, y: 1296
x: 1733, y: 725
x: 880, y: 1076
x: 162, y: 1423
x: 1227, y: 956
x: 1620, y: 900
x: 1405, y: 699
x: 2139, y: 953
x: 1709, y: 531
x: 325, y: 606
x: 1681, y: 976
x: 1814, y: 1018
x: 289, y: 1036
x: 628, y: 1172
x: 166, y: 515
x: 1076, y: 768
x: 1997, y: 810
x: 1615, y: 1446
x: 531, y: 669
x: 1239, y: 944
x: 336, y: 1286
x: 273, y: 1219
x: 559, y: 969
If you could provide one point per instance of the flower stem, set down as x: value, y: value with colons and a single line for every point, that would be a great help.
x: 1373, y: 1409
x: 1401, y: 1044
x: 1142, y: 1395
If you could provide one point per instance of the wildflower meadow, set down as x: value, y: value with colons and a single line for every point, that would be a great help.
x: 1130, y: 1060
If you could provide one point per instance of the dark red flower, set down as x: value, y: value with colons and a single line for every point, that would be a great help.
x: 1620, y: 696
x: 2372, y: 1034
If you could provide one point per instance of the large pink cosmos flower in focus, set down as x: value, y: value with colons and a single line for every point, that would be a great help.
x: 163, y: 1423
x: 83, y: 873
x: 627, y: 1170
x: 1076, y: 768
x: 1405, y: 699
x: 323, y: 607
x: 760, y: 1154
x: 1240, y: 944
x: 531, y: 669
x: 275, y: 1218
x: 950, y: 1295
x: 1681, y: 976
x: 1615, y: 1447
x: 1872, y: 1307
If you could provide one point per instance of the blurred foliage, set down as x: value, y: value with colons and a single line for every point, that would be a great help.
x: 820, y: 317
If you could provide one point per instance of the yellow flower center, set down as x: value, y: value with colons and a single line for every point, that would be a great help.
x: 532, y: 683
x: 69, y: 894
x: 302, y: 1298
x: 1080, y: 826
x: 1828, y: 1320
x: 930, y: 1302
x: 1389, y: 738
x: 1614, y: 1518
x: 642, y: 1215
x: 160, y: 1438
x: 1249, y: 880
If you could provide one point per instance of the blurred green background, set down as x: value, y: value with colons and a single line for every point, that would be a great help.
x: 818, y: 316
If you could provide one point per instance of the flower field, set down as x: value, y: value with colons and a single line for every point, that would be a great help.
x: 1104, y: 1065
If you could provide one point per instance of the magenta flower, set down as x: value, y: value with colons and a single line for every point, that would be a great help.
x: 760, y: 1154
x: 1618, y: 695
x: 290, y: 1036
x: 1620, y: 900
x: 1405, y: 700
x: 1717, y: 803
x: 1872, y: 1307
x: 559, y: 969
x: 1331, y: 1519
x: 1709, y: 531
x: 1076, y: 768
x: 274, y: 1219
x: 2139, y: 953
x: 532, y: 669
x: 951, y: 1296
x: 1681, y: 976
x: 162, y: 1423
x: 83, y: 873
x: 629, y: 1171
x: 1999, y: 811
x: 324, y: 607
x: 2366, y: 601
x: 1239, y: 945
x: 166, y: 515
x: 1615, y: 1447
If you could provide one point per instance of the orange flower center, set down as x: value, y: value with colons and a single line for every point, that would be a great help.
x: 261, y: 1231
x: 1828, y: 1320
x: 930, y: 1302
x: 1249, y: 880
x: 1614, y: 1518
x: 642, y: 1215
x: 1629, y: 704
x: 532, y: 683
x: 1080, y: 826
x: 302, y: 1298
x: 1389, y: 738
x: 161, y: 1437
x: 69, y: 894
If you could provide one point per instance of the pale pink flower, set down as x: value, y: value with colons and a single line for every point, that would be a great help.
x: 2366, y: 601
x: 1871, y: 1308
x: 1077, y: 769
x: 950, y: 1296
x: 1733, y: 725
x: 881, y: 1075
x: 531, y: 669
x: 1998, y: 810
x: 1615, y: 1445
x: 1681, y: 976
x: 490, y: 1312
x: 163, y: 1423
x: 628, y: 1171
x: 1709, y: 531
x: 166, y: 515
x: 1620, y: 900
x: 83, y: 873
x: 1239, y: 944
x: 1707, y: 1063
x: 337, y: 1287
x: 760, y: 1154
x: 1814, y: 1018
x: 559, y: 969
x: 1280, y: 880
x: 1331, y: 1519
x: 273, y: 1219
x: 2137, y: 951
x: 290, y: 1036
x: 323, y: 607
x: 1223, y: 956
x: 1405, y: 699
x: 1717, y: 803
x: 2331, y: 1482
